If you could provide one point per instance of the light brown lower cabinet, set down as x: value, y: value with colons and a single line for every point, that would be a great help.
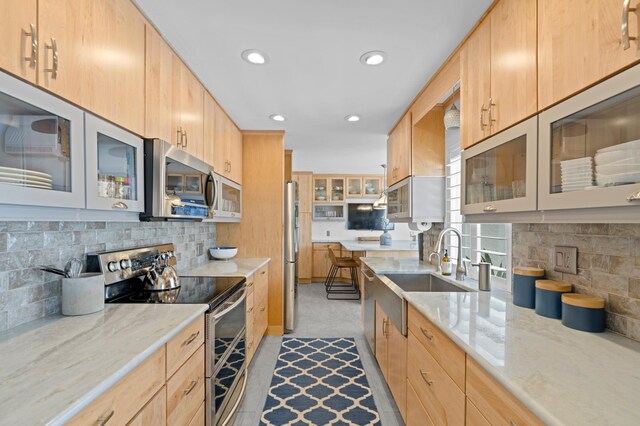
x: 391, y: 354
x: 198, y: 419
x: 175, y: 398
x: 416, y: 414
x: 474, y: 416
x: 257, y: 306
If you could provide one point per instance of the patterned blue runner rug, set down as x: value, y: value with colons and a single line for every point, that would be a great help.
x: 319, y: 382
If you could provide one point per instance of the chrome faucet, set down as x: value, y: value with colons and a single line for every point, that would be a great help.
x: 461, y: 271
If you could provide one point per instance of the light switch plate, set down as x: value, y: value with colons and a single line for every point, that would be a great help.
x: 566, y: 260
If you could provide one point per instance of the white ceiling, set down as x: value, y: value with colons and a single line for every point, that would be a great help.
x: 314, y: 77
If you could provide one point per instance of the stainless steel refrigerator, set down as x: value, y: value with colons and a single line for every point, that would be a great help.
x: 290, y: 255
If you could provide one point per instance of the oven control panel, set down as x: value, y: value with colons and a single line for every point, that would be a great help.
x: 124, y: 264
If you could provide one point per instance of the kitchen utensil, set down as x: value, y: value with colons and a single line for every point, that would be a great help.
x: 73, y: 267
x: 52, y: 270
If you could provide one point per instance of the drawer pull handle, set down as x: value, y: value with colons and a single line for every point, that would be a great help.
x: 103, y: 420
x: 120, y: 205
x: 634, y: 197
x: 263, y: 308
x: 512, y: 423
x: 490, y: 209
x: 426, y: 333
x: 191, y: 387
x: 425, y: 377
x: 250, y: 310
x: 626, y: 8
x: 263, y: 272
x: 250, y: 284
x: 191, y: 338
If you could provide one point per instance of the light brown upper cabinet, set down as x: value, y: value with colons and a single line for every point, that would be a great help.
x: 581, y: 42
x: 19, y: 35
x: 498, y: 71
x: 227, y: 144
x: 191, y: 103
x: 208, y: 140
x: 91, y: 52
x: 399, y: 151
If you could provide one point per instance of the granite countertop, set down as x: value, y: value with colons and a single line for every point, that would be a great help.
x: 355, y: 245
x: 237, y: 267
x: 563, y: 375
x: 52, y: 368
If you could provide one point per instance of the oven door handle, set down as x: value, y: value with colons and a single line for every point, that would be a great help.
x: 218, y: 315
x: 226, y: 421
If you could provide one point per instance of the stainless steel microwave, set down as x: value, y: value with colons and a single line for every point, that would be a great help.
x: 178, y: 186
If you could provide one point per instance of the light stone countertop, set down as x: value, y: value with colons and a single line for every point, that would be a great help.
x: 397, y: 265
x: 50, y: 369
x: 237, y: 267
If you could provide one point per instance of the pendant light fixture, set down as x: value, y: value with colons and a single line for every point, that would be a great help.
x: 381, y: 202
x: 452, y: 118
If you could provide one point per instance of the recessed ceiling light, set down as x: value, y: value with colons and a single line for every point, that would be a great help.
x: 352, y: 118
x: 277, y: 117
x: 254, y: 56
x: 375, y: 57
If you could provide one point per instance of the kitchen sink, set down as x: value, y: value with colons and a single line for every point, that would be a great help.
x: 418, y: 282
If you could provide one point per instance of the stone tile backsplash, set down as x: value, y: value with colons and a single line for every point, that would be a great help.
x: 608, y: 264
x: 27, y: 293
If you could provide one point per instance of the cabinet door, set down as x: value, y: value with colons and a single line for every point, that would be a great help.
x: 191, y: 107
x: 337, y: 189
x: 372, y: 186
x: 391, y: 159
x: 208, y: 138
x: 397, y: 368
x: 320, y: 263
x: 305, y: 191
x: 475, y: 85
x: 160, y: 120
x: 154, y: 413
x: 513, y: 63
x: 18, y: 32
x: 401, y: 147
x: 61, y: 55
x: 305, y: 248
x: 580, y: 42
x: 114, y: 52
x: 382, y: 355
x: 354, y: 186
x: 222, y: 133
x: 321, y: 189
x: 235, y: 153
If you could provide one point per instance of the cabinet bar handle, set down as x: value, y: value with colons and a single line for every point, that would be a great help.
x: 54, y: 48
x: 179, y: 140
x: 426, y: 333
x: 250, y: 310
x: 33, y: 33
x: 191, y: 387
x: 425, y: 377
x: 491, y: 119
x: 249, y: 284
x: 482, y: 111
x: 119, y: 205
x: 490, y: 209
x: 186, y: 139
x: 190, y: 339
x: 263, y: 308
x: 626, y: 8
x: 634, y: 197
x: 103, y: 420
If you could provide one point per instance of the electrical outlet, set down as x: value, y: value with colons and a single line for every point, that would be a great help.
x: 200, y: 249
x: 328, y: 233
x: 566, y: 260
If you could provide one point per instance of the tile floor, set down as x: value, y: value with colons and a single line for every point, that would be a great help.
x: 317, y: 317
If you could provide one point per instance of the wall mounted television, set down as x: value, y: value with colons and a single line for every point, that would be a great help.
x: 363, y: 217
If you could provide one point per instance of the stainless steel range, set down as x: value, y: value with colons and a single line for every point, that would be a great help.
x: 146, y: 275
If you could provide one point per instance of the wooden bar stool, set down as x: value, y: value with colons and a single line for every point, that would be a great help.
x: 349, y: 290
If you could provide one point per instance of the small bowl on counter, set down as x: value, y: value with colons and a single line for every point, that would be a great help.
x: 223, y: 253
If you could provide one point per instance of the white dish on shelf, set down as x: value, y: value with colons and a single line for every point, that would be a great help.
x: 28, y: 185
x: 577, y: 161
x: 321, y: 198
x: 25, y: 172
x: 631, y: 145
x: 616, y: 168
x: 25, y: 177
x: 23, y: 181
x: 620, y: 178
x: 615, y: 156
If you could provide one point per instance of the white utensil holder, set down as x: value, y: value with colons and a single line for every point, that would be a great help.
x: 83, y: 295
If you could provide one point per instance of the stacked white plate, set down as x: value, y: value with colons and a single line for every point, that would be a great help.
x: 24, y: 177
x: 576, y: 174
x: 618, y: 164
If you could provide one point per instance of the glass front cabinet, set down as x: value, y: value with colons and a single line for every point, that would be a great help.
x: 328, y: 189
x: 41, y: 148
x: 499, y: 174
x: 115, y: 167
x: 590, y: 147
x: 372, y: 186
x: 354, y: 186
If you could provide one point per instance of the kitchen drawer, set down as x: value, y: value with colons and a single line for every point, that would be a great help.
x: 326, y: 246
x: 185, y: 390
x: 261, y: 322
x: 249, y: 284
x: 440, y: 395
x: 154, y: 413
x: 122, y: 401
x: 261, y: 283
x: 474, y: 416
x: 495, y: 403
x: 442, y: 349
x: 198, y: 419
x: 250, y: 318
x: 416, y: 414
x: 180, y: 348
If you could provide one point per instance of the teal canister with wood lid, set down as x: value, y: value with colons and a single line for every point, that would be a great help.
x: 548, y: 297
x: 524, y: 285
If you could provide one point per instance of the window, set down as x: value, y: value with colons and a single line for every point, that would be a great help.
x: 480, y: 242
